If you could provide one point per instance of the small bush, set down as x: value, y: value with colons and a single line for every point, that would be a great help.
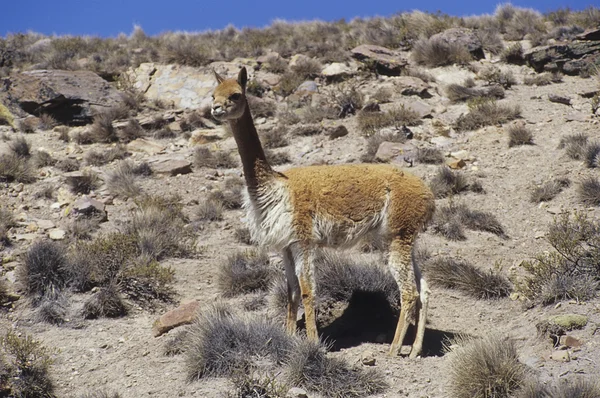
x: 210, y: 210
x: 289, y: 83
x: 486, y: 367
x: 177, y: 343
x: 27, y: 126
x: 203, y: 157
x: 316, y: 114
x: 96, y: 158
x: 374, y: 141
x: 221, y: 344
x: 547, y: 191
x: 463, y: 276
x: 245, y: 272
x: 486, y: 113
x: 131, y: 131
x: 7, y: 221
x: 261, y: 107
x: 592, y: 155
x: 308, y: 130
x: 589, y: 191
x: 52, y: 309
x: 458, y: 93
x: 251, y: 385
x: 495, y: 76
x: 242, y: 235
x: 519, y: 134
x: 105, y: 303
x: 348, y: 101
x: 277, y: 158
x: 45, y: 270
x: 47, y: 122
x: 15, y: 168
x: 543, y: 79
x: 100, y: 394
x: 26, y: 373
x: 20, y: 147
x: 447, y: 182
x: 122, y: 180
x: 309, y: 366
x: 42, y: 159
x: 449, y: 221
x: 275, y: 138
x: 82, y: 228
x: 575, y: 145
x: 370, y: 122
x: 84, y: 183
x: 67, y: 165
x: 146, y: 281
x: 570, y: 272
x: 307, y: 68
x: 434, y: 52
x: 102, y: 129
x: 429, y: 156
x: 513, y: 54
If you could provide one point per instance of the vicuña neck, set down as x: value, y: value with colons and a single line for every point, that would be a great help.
x: 256, y: 168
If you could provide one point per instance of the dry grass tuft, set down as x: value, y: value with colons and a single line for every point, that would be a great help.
x: 549, y: 190
x: 242, y: 235
x: 15, y: 168
x: 447, y: 182
x: 449, y: 273
x: 245, y: 272
x: 67, y: 165
x: 85, y: 183
x: 375, y: 140
x: 203, y: 157
x: 519, y: 134
x: 275, y: 138
x: 486, y: 113
x: 486, y: 367
x: 210, y: 210
x: 52, y: 309
x: 277, y: 158
x: 450, y: 221
x: 589, y: 191
x: 458, y: 93
x: 309, y: 366
x: 434, y: 52
x: 100, y: 394
x: 20, y: 147
x: 96, y: 158
x: 575, y: 145
x: 42, y: 159
x: 371, y: 122
x: 105, y: 303
x: 513, y: 54
x: 429, y: 156
x: 45, y: 271
x: 495, y: 76
x: 102, y: 129
x: 7, y: 221
x: 122, y: 180
x: 592, y: 155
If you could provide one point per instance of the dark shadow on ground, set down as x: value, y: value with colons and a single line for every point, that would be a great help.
x: 369, y: 318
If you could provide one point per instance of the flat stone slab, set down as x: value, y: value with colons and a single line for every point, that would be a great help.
x: 182, y: 315
x: 146, y: 146
x: 172, y: 166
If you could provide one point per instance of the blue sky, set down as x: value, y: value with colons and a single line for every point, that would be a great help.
x: 111, y: 17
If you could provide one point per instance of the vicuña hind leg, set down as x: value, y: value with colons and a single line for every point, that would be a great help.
x: 306, y: 277
x: 421, y: 317
x: 293, y: 291
x: 401, y: 267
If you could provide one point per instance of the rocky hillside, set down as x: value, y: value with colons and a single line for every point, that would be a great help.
x: 127, y: 269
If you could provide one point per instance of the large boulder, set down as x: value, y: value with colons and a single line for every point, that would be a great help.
x: 464, y: 37
x: 590, y: 34
x: 569, y: 58
x: 386, y: 62
x: 71, y: 97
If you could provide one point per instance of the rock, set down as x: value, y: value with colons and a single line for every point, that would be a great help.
x: 57, y: 234
x: 182, y: 315
x: 561, y: 356
x: 419, y: 107
x: 569, y: 321
x: 89, y: 207
x: 308, y: 87
x: 298, y: 59
x: 387, y: 62
x: 589, y: 34
x: 371, y: 107
x: 146, y: 145
x: 569, y: 58
x: 559, y: 99
x: 570, y: 341
x: 296, y: 392
x: 456, y: 164
x: 464, y: 37
x: 268, y: 57
x: 45, y: 224
x: 200, y: 137
x: 337, y: 132
x: 462, y: 154
x: 338, y: 71
x: 576, y: 117
x: 368, y: 359
x: 390, y: 150
x: 408, y: 85
x: 172, y: 166
x: 68, y: 96
x: 270, y: 79
x: 29, y: 237
x: 441, y: 141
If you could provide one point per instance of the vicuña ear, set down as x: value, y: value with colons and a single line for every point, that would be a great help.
x: 218, y: 77
x: 243, y: 78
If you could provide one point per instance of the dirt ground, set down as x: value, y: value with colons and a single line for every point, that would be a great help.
x: 123, y: 356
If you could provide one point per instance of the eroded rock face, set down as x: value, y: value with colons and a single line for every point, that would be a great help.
x: 71, y: 97
x: 387, y: 62
x: 569, y: 58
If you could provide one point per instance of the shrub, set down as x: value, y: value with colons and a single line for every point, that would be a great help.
x: 15, y: 168
x: 307, y: 68
x: 261, y: 107
x: 95, y: 158
x: 122, y: 182
x: 106, y: 302
x: 28, y: 125
x: 210, y: 210
x: 486, y: 113
x: 67, y: 165
x: 429, y: 156
x: 46, y: 122
x: 7, y: 221
x: 203, y: 157
x: 495, y: 76
x: 370, y: 122
x: 52, y: 309
x: 549, y: 190
x: 275, y: 138
x: 316, y: 114
x: 348, y: 101
x: 434, y: 52
x: 242, y: 235
x: 519, y: 134
x: 82, y: 228
x: 458, y: 93
x: 102, y: 129
x: 575, y: 145
x: 251, y: 385
x: 245, y: 272
x: 449, y: 221
x: 309, y: 366
x: 447, y: 182
x: 184, y: 49
x: 84, y: 183
x: 146, y: 281
x: 570, y: 271
x: 20, y: 147
x: 177, y: 343
x: 277, y: 158
x: 221, y: 344
x: 231, y: 196
x: 308, y: 130
x: 542, y: 79
x: 288, y: 83
x: 513, y: 54
x: 45, y: 269
x: 486, y: 367
x: 463, y: 276
x: 592, y: 155
x: 589, y: 191
x: 42, y: 159
x: 27, y: 368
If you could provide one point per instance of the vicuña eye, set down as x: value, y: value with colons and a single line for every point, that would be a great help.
x: 235, y: 97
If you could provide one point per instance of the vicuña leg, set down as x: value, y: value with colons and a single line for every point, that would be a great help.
x: 421, y: 317
x: 293, y: 291
x: 306, y: 276
x: 401, y: 267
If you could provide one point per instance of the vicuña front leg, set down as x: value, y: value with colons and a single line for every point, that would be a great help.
x: 293, y: 292
x: 307, y: 289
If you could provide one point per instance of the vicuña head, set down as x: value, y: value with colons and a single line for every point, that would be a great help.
x: 306, y: 208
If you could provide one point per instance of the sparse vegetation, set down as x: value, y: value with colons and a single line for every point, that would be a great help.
x: 96, y: 158
x: 463, y: 276
x: 519, y: 134
x: 513, y: 54
x: 434, y: 52
x: 370, y: 122
x: 84, y: 183
x: 486, y: 113
x: 485, y: 367
x: 275, y: 138
x: 450, y: 221
x: 276, y: 158
x: 20, y: 147
x: 245, y: 272
x: 122, y: 180
x: 375, y: 140
x: 458, y: 93
x: 493, y: 75
x: 15, y: 168
x: 447, y: 182
x: 210, y: 210
x: 429, y: 156
x: 45, y: 270
x: 203, y: 157
x: 106, y: 302
x: 549, y: 190
x: 589, y: 191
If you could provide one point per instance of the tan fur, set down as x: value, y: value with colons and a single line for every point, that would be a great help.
x: 335, y: 206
